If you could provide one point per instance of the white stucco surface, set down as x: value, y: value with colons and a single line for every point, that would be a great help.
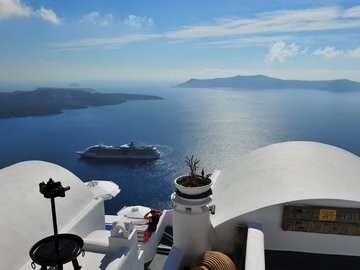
x: 285, y: 172
x: 26, y: 214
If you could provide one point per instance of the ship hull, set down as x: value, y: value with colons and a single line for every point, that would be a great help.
x: 125, y: 157
x: 126, y: 151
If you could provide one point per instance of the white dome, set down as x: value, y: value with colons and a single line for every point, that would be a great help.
x: 282, y: 173
x: 26, y: 214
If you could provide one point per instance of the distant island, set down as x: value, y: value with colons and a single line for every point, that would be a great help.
x: 48, y: 101
x: 265, y: 82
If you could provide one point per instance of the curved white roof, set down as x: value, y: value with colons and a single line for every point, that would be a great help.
x: 282, y: 173
x: 26, y: 214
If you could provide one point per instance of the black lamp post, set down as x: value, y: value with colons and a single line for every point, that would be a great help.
x: 58, y: 249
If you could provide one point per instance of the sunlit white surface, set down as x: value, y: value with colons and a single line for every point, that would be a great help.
x: 26, y: 214
x: 285, y: 172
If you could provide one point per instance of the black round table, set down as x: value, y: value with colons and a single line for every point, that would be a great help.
x: 57, y: 250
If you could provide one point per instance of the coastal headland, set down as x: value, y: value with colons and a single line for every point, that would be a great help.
x: 259, y: 82
x: 49, y: 100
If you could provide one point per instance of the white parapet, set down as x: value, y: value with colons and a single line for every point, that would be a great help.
x: 150, y: 247
x: 255, y: 254
x: 174, y: 260
x: 118, y: 247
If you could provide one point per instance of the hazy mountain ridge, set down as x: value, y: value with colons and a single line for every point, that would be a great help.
x: 265, y: 82
x: 48, y: 101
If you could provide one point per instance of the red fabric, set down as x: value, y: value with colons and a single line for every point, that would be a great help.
x: 147, y: 235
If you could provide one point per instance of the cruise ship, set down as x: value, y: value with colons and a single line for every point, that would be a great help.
x: 125, y: 151
x: 291, y: 205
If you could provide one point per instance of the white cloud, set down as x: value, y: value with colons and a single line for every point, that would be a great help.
x: 304, y: 51
x: 91, y: 17
x: 354, y: 53
x: 328, y: 52
x: 48, y: 15
x: 97, y: 18
x: 138, y: 21
x: 132, y: 21
x: 9, y: 8
x: 353, y: 12
x: 236, y: 32
x: 331, y: 52
x: 110, y: 42
x: 328, y: 18
x: 243, y: 42
x: 279, y: 51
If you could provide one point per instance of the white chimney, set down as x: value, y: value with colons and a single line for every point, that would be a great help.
x: 191, y: 224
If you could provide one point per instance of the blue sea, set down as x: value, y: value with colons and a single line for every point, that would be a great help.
x: 215, y: 125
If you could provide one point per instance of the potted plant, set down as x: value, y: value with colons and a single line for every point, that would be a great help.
x: 193, y: 184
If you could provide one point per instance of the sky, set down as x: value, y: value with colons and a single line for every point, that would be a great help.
x: 73, y: 41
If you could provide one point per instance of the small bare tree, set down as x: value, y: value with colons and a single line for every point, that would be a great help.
x: 193, y: 164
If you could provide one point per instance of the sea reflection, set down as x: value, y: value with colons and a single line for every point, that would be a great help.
x: 215, y: 125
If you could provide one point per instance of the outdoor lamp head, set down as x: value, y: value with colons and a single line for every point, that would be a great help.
x: 52, y: 189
